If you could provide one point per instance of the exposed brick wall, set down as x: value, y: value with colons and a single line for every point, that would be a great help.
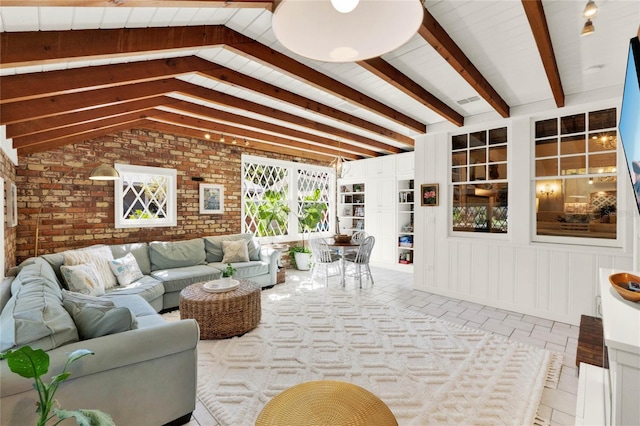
x: 8, y: 173
x: 77, y: 212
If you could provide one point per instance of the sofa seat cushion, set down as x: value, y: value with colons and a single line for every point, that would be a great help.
x: 245, y: 269
x: 213, y: 246
x: 136, y: 304
x: 34, y: 315
x: 176, y: 254
x: 178, y: 278
x: 146, y: 287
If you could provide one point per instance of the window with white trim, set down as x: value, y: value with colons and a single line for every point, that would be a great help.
x: 145, y: 197
x: 479, y: 181
x: 576, y: 175
x: 275, y: 191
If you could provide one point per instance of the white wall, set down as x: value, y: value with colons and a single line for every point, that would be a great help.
x: 554, y: 281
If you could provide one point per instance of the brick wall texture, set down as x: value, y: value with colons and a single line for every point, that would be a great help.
x: 8, y: 173
x: 73, y: 211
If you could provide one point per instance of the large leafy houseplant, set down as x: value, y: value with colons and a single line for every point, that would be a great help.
x: 273, y: 213
x: 33, y: 364
x: 312, y: 211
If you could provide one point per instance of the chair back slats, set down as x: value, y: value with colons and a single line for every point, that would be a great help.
x: 358, y: 237
x: 321, y: 251
x: 364, y: 251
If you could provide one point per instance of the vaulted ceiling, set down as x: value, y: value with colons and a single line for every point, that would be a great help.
x: 74, y: 70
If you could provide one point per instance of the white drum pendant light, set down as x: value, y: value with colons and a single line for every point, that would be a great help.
x: 318, y: 29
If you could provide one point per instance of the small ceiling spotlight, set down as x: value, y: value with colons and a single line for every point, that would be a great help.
x: 246, y: 142
x: 207, y: 136
x: 222, y: 138
x: 588, y: 28
x: 590, y: 181
x: 590, y: 10
x: 234, y: 141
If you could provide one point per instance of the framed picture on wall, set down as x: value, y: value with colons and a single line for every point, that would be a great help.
x: 12, y: 205
x: 211, y: 199
x: 429, y: 194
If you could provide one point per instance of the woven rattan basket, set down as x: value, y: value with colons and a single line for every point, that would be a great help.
x: 326, y: 402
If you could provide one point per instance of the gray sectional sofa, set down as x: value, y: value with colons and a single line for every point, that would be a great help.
x: 144, y: 369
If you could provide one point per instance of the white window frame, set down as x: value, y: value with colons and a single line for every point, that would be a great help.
x: 621, y: 195
x: 172, y: 210
x: 292, y: 197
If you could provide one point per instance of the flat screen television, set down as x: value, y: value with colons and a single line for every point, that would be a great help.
x: 630, y: 117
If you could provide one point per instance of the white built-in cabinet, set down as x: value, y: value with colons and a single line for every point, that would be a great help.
x: 610, y: 396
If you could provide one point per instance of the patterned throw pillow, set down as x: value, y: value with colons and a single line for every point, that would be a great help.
x: 83, y: 279
x: 99, y: 256
x: 126, y: 269
x: 235, y: 251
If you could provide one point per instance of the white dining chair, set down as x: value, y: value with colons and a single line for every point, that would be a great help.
x: 357, y: 264
x: 325, y: 260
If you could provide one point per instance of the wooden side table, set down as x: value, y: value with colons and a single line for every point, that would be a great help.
x: 222, y: 315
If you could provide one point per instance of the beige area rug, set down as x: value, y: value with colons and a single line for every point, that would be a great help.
x: 427, y: 371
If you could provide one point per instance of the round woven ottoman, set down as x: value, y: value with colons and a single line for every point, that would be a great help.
x: 326, y: 402
x: 222, y: 315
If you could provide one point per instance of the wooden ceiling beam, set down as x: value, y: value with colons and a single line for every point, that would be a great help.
x: 48, y: 145
x: 538, y: 23
x: 60, y: 104
x: 59, y: 121
x: 43, y: 47
x: 263, y: 54
x: 22, y: 87
x: 240, y: 132
x: 243, y: 81
x: 195, y: 133
x: 382, y: 69
x: 219, y: 98
x: 79, y: 129
x: 215, y: 115
x: 433, y: 33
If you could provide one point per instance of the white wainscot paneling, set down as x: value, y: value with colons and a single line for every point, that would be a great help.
x: 557, y: 284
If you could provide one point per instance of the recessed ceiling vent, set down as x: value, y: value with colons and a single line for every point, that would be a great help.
x: 468, y: 100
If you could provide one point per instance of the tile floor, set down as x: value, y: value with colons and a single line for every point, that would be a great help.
x: 396, y: 288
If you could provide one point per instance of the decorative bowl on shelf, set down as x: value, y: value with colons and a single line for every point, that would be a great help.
x: 622, y: 281
x: 342, y: 238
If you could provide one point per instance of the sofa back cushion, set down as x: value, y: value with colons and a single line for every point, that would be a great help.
x: 35, y: 315
x: 213, y: 246
x: 139, y: 250
x: 176, y: 254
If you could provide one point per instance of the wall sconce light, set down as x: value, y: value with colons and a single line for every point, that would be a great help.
x: 590, y: 181
x: 548, y: 190
x: 222, y: 138
x: 590, y: 10
x: 588, y: 28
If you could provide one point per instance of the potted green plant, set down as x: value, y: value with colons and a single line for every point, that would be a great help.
x: 32, y: 364
x: 311, y: 214
x: 227, y: 273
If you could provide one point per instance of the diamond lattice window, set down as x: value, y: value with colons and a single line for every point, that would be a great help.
x: 274, y: 192
x: 145, y: 197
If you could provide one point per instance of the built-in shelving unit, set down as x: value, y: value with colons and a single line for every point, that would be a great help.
x: 405, y: 221
x: 351, y: 207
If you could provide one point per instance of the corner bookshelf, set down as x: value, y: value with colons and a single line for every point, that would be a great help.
x: 351, y: 207
x: 406, y: 197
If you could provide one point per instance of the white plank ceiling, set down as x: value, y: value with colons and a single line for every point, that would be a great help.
x: 495, y: 35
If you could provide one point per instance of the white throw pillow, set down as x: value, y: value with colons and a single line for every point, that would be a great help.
x: 126, y: 269
x: 83, y: 279
x: 99, y: 256
x: 235, y: 251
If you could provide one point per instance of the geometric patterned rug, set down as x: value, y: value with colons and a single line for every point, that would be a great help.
x: 426, y: 370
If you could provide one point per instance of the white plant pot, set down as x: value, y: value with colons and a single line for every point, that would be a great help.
x: 226, y: 280
x: 303, y: 261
